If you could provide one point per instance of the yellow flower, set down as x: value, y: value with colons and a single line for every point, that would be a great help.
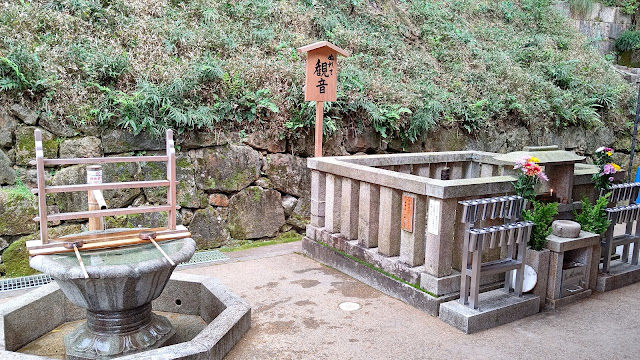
x: 534, y: 159
x: 616, y: 166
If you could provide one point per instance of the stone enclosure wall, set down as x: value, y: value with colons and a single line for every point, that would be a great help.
x: 229, y: 187
x: 603, y: 24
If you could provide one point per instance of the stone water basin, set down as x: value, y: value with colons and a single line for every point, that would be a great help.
x: 118, y: 301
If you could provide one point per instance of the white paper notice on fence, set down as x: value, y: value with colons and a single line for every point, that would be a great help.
x: 434, y: 217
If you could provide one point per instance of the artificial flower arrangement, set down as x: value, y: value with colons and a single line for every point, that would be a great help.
x: 529, y: 175
x: 604, y: 178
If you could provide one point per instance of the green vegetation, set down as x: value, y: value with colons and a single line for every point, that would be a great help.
x: 286, y: 237
x: 628, y: 40
x: 362, y: 262
x: 629, y: 7
x: 19, y: 191
x: 593, y: 218
x: 542, y: 215
x: 232, y: 65
x: 581, y: 7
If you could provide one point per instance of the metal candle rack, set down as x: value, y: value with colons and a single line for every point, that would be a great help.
x: 78, y: 243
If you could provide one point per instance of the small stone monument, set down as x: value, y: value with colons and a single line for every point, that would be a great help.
x: 572, y: 269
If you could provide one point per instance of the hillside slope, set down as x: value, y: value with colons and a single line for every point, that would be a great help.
x: 201, y: 64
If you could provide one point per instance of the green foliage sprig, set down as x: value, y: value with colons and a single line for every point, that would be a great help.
x: 593, y: 218
x: 542, y: 215
x: 628, y: 40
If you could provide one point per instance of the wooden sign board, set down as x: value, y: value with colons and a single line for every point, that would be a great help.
x: 407, y: 213
x: 321, y: 82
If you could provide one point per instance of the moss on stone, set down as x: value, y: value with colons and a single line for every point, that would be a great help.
x: 16, y: 258
x: 237, y: 231
x: 286, y: 237
x: 257, y: 194
x: 182, y: 162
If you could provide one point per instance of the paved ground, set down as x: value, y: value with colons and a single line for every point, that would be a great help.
x: 296, y: 316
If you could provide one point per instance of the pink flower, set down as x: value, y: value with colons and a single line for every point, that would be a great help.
x: 611, y: 178
x: 608, y: 169
x: 543, y: 176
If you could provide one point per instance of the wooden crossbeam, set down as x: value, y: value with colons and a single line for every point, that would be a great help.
x: 104, y: 241
x: 107, y: 212
x: 105, y: 160
x: 104, y: 186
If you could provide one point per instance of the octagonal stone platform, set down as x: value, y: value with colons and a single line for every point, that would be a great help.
x: 228, y: 318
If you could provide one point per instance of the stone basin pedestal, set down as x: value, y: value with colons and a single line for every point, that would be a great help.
x: 117, y: 296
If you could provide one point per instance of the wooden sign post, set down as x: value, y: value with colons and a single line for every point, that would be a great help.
x: 321, y: 81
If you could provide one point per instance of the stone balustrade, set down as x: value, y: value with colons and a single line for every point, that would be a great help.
x: 396, y: 213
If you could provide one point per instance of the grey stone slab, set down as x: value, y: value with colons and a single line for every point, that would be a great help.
x: 556, y: 303
x: 607, y: 14
x: 449, y: 286
x: 375, y: 279
x: 620, y: 274
x: 496, y: 308
x: 404, y: 182
x: 31, y: 315
x: 539, y: 261
x: 559, y: 244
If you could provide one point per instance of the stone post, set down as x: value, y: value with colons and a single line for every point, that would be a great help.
x: 318, y: 197
x: 441, y: 220
x: 349, y: 208
x: 412, y: 242
x: 334, y: 203
x: 390, y: 216
x: 369, y: 212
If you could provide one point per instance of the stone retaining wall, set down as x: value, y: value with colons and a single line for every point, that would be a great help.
x: 229, y: 187
x: 603, y: 24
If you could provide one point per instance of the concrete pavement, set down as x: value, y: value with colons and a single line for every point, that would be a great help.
x: 296, y: 316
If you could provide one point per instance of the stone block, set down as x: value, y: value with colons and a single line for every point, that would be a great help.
x: 620, y: 275
x: 622, y: 18
x: 227, y: 168
x: 496, y: 308
x: 449, y: 286
x: 556, y: 303
x: 565, y: 229
x: 539, y: 261
x: 251, y: 204
x: 560, y: 244
x: 8, y: 125
x: 81, y: 147
x: 25, y: 114
x: 607, y: 14
x: 289, y: 174
x: 396, y: 289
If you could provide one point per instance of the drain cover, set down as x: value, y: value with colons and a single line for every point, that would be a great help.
x: 349, y: 306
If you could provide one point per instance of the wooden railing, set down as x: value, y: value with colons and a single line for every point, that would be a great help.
x: 42, y: 189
